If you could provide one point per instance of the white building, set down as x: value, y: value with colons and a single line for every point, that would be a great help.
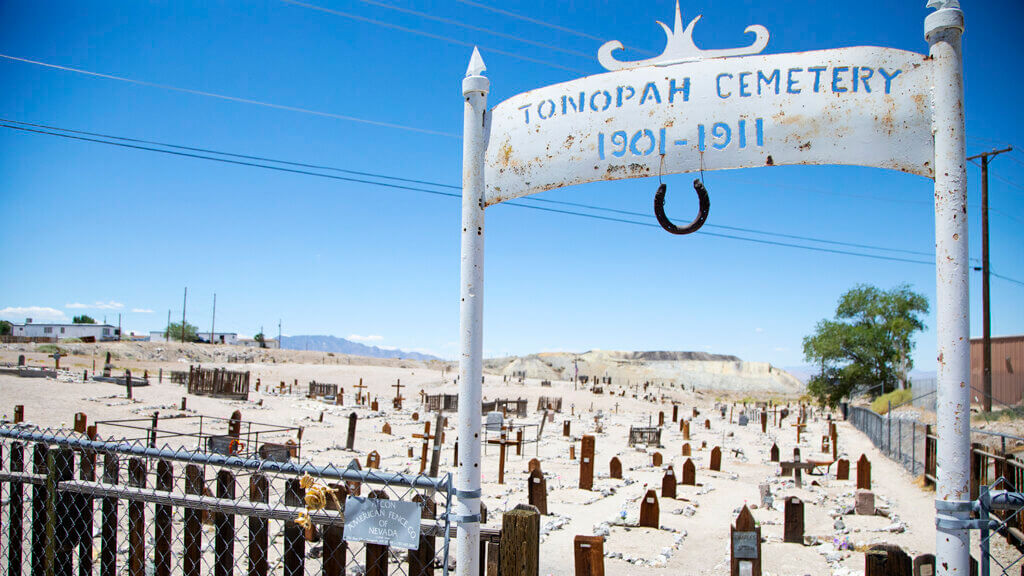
x: 98, y: 332
x: 218, y: 337
x: 269, y: 343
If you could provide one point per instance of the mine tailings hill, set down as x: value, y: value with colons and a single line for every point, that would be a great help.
x: 696, y: 370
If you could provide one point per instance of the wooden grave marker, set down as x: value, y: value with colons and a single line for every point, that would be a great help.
x: 656, y: 459
x: 397, y: 402
x: 360, y: 399
x: 661, y: 418
x: 386, y: 429
x: 707, y: 424
x: 425, y: 439
x: 675, y: 412
x: 502, y: 443
x: 774, y: 454
x: 532, y: 465
x: 615, y: 468
x: 588, y: 552
x: 689, y: 473
x: 745, y: 545
x: 565, y: 428
x: 716, y: 459
x: 843, y: 469
x: 668, y: 484
x: 587, y: 463
x: 538, y: 490
x: 81, y: 422
x: 373, y: 460
x: 864, y: 473
x: 686, y: 449
x: 649, y: 515
x: 793, y: 522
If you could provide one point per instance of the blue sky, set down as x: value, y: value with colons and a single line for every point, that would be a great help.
x: 118, y: 230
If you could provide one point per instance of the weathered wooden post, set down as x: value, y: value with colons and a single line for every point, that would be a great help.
x: 421, y: 560
x: 887, y: 560
x: 774, y: 454
x: 565, y: 428
x: 745, y: 538
x: 587, y: 463
x: 350, y: 441
x: 716, y: 459
x: 520, y: 542
x: 686, y: 449
x: 377, y: 554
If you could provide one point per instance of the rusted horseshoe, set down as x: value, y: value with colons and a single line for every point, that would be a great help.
x: 705, y: 206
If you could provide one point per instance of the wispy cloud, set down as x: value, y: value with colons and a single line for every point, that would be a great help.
x: 112, y: 305
x: 370, y: 338
x: 758, y: 330
x: 781, y: 349
x: 142, y: 310
x: 20, y: 313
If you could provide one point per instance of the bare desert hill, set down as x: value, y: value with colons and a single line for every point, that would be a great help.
x: 695, y: 370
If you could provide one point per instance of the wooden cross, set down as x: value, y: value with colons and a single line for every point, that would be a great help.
x: 797, y: 467
x: 426, y: 437
x: 502, y: 443
x: 359, y: 391
x: 398, y: 395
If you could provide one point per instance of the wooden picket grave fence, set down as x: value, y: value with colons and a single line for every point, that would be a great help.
x: 219, y: 383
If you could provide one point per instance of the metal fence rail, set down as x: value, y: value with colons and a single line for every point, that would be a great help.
x: 71, y: 505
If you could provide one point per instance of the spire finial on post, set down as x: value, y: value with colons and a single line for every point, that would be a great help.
x: 476, y: 64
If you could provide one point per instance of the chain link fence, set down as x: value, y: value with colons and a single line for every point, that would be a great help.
x: 902, y: 439
x: 71, y: 505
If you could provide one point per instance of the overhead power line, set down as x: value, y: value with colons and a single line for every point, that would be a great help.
x: 443, y: 38
x: 545, y: 24
x: 24, y: 128
x: 234, y: 98
x: 446, y: 186
x: 461, y: 24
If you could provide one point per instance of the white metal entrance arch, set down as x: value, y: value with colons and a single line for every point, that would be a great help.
x: 689, y: 109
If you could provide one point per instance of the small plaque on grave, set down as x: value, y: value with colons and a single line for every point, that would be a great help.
x: 390, y: 523
x: 744, y: 420
x: 744, y: 545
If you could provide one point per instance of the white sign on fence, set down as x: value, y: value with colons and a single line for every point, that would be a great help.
x: 391, y: 523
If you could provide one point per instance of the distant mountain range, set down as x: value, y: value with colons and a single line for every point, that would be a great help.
x: 337, y: 345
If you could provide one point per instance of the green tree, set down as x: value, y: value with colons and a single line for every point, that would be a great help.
x: 867, y: 347
x: 173, y: 332
x: 261, y: 339
x: 5, y: 328
x: 83, y: 319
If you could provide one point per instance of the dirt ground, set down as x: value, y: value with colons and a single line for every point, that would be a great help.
x: 694, y: 533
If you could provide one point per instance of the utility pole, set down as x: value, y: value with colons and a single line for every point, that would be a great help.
x: 167, y: 331
x: 279, y: 334
x: 118, y: 326
x: 183, y: 303
x: 986, y: 342
x: 213, y: 322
